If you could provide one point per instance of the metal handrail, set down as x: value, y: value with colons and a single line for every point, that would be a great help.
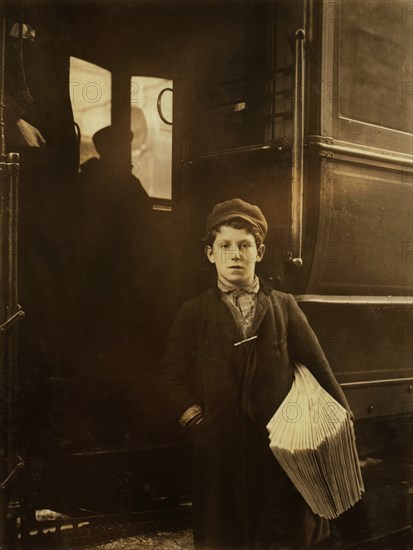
x: 11, y: 321
x: 378, y: 382
x: 294, y: 253
x: 2, y: 73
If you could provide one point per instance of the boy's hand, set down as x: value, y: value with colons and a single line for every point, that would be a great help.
x: 194, y: 422
x: 191, y: 417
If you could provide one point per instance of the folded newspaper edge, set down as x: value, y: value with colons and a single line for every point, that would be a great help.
x: 312, y: 437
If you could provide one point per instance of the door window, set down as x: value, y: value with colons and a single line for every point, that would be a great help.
x: 152, y: 142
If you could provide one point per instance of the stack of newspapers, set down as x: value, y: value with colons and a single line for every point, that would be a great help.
x: 312, y: 437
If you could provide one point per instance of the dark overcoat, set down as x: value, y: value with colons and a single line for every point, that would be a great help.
x: 241, y: 498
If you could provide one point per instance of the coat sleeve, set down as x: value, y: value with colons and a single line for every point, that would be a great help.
x: 178, y: 361
x: 305, y: 348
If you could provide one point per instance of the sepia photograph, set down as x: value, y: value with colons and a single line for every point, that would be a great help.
x: 206, y: 274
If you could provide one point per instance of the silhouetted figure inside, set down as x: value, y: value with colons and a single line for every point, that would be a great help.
x: 116, y: 215
x: 116, y: 271
x: 110, y: 173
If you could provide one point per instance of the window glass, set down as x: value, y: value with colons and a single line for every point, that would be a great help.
x: 90, y: 94
x: 152, y: 142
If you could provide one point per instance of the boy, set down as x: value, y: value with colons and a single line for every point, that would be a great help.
x: 227, y: 368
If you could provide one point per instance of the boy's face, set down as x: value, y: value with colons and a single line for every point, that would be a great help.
x: 235, y: 254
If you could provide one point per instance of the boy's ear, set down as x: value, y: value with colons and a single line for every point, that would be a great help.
x: 260, y: 252
x: 209, y: 251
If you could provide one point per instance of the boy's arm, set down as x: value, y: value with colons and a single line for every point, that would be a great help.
x: 178, y: 359
x: 304, y: 347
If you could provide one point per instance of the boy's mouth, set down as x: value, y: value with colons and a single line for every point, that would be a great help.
x: 235, y: 267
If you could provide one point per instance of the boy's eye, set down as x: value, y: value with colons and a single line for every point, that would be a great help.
x: 241, y: 246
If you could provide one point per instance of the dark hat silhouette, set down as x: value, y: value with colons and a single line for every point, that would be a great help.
x: 110, y: 136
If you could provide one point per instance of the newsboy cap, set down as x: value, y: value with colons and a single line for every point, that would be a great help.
x: 237, y: 208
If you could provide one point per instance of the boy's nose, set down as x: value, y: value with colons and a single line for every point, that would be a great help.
x: 235, y: 252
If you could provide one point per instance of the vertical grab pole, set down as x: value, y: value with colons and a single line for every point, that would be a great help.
x: 10, y: 312
x: 2, y: 74
x: 13, y: 307
x: 294, y: 252
x: 3, y: 372
x: 10, y: 463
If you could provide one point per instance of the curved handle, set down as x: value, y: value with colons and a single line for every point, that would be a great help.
x: 159, y: 105
x: 78, y: 133
x: 294, y: 252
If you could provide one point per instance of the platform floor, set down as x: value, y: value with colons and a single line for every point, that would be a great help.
x: 179, y: 540
x: 182, y: 540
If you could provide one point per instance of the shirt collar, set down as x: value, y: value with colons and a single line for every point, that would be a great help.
x: 253, y: 288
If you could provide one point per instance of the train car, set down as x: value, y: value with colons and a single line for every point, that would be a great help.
x: 304, y: 108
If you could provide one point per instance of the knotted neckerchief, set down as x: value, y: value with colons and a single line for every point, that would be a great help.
x: 242, y: 302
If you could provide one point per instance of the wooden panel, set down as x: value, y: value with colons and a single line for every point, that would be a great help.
x: 241, y: 77
x: 366, y: 74
x: 383, y: 400
x: 228, y: 41
x: 232, y: 86
x: 365, y: 236
x: 364, y: 341
x: 377, y: 87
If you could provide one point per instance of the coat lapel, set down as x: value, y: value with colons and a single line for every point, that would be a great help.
x: 263, y: 303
